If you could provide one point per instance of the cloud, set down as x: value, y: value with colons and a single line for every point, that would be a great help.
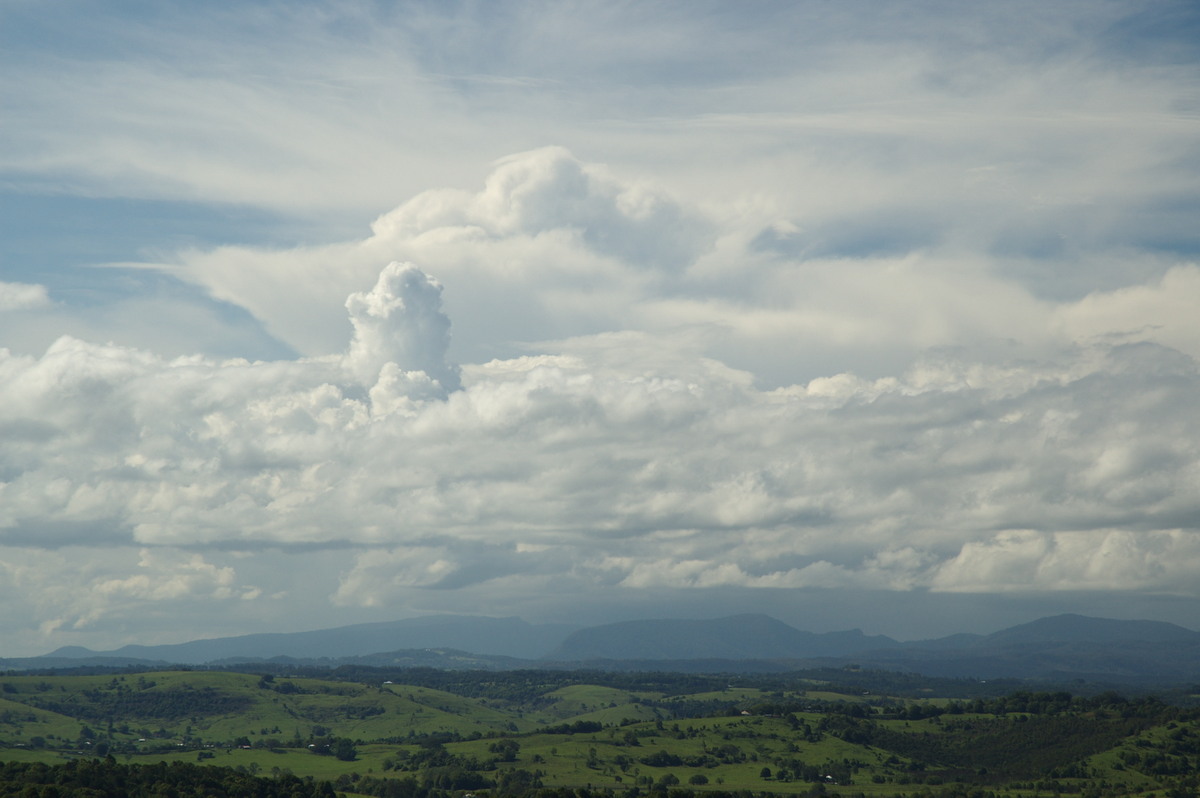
x: 1028, y: 560
x: 400, y: 323
x: 132, y: 307
x: 22, y: 296
x: 649, y: 439
x: 171, y: 578
x: 621, y: 460
x: 548, y: 247
x: 1159, y: 311
x: 554, y: 248
x: 115, y: 586
x: 623, y: 463
x: 810, y: 300
x: 548, y: 190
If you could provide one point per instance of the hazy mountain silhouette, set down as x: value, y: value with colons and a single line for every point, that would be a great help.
x: 738, y: 637
x: 1081, y: 628
x: 1059, y: 648
x: 1062, y: 647
x: 511, y: 637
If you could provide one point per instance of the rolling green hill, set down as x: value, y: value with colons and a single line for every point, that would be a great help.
x: 516, y: 733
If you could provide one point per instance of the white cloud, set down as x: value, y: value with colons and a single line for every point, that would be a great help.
x: 552, y: 248
x: 635, y: 457
x: 549, y: 247
x: 22, y: 296
x: 621, y: 459
x: 899, y: 301
x: 170, y: 579
x: 1028, y: 560
x: 113, y: 587
x: 400, y: 323
x: 1162, y: 311
x: 548, y: 190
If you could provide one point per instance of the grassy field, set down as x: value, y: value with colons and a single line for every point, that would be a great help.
x: 600, y: 735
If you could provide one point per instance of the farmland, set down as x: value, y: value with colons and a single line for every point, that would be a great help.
x: 419, y: 733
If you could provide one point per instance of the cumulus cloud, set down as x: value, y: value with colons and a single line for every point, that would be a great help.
x: 813, y: 325
x: 400, y: 323
x: 22, y: 296
x: 622, y: 463
x: 1031, y: 560
x: 549, y: 190
x: 549, y: 247
x: 114, y: 586
x: 554, y: 248
x: 648, y: 440
x: 600, y: 464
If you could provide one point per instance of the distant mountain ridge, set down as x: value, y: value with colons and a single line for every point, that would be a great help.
x: 1059, y: 648
x: 737, y: 637
x: 1082, y: 628
x: 511, y: 637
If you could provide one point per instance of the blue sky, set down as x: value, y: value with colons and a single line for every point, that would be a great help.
x: 859, y: 314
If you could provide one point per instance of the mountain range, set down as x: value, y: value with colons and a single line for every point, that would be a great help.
x: 1059, y: 648
x: 507, y: 637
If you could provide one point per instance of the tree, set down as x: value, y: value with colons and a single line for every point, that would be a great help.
x: 344, y: 749
x: 505, y: 750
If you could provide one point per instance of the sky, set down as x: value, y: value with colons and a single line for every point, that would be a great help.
x: 861, y: 315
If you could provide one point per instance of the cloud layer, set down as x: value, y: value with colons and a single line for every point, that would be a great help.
x: 705, y: 301
x: 618, y: 461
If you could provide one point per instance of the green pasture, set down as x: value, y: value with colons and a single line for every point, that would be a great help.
x: 575, y: 701
x: 266, y: 725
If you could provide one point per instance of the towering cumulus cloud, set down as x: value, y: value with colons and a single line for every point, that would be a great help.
x: 548, y: 247
x: 399, y: 323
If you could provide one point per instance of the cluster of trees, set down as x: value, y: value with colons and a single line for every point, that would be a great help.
x: 432, y: 757
x: 792, y: 769
x: 527, y: 686
x: 105, y: 778
x: 578, y: 727
x: 999, y: 749
x: 101, y: 705
x: 1020, y: 701
x: 1178, y: 755
x: 435, y: 772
